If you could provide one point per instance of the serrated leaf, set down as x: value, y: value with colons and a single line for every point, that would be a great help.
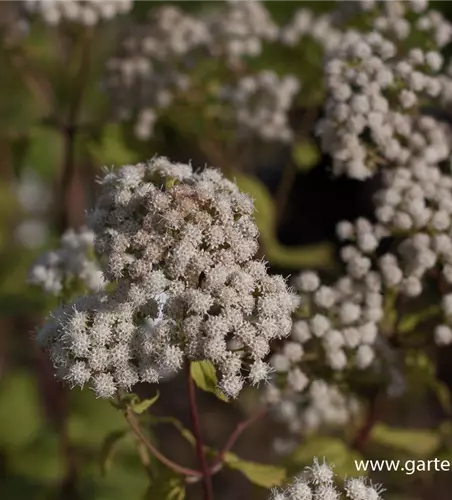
x: 333, y: 449
x: 205, y: 377
x: 306, y: 155
x: 263, y: 475
x: 109, y: 447
x: 415, y: 442
x: 141, y: 406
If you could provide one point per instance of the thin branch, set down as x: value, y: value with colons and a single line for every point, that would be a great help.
x: 236, y: 433
x: 194, y: 414
x: 70, y: 130
x: 175, y: 467
x: 373, y: 417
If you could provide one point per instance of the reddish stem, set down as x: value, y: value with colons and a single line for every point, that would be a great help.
x: 175, y: 467
x: 372, y: 419
x: 194, y: 414
x: 240, y: 428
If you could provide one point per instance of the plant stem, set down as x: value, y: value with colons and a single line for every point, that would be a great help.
x: 236, y: 433
x: 373, y: 417
x: 194, y: 414
x: 70, y: 130
x: 175, y: 467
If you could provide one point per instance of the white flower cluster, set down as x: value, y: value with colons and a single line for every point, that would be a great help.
x: 372, y: 111
x: 343, y: 320
x: 55, y: 270
x: 391, y: 18
x: 374, y: 98
x: 318, y: 482
x: 305, y: 24
x: 321, y: 406
x: 375, y: 124
x: 152, y: 65
x: 261, y: 103
x: 239, y: 30
x: 84, y: 12
x: 180, y: 247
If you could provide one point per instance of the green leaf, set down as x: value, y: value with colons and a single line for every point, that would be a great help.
x: 263, y: 475
x: 165, y: 488
x: 109, y: 448
x: 306, y: 155
x: 443, y: 394
x: 415, y: 442
x: 333, y: 449
x: 409, y: 322
x: 205, y: 377
x: 317, y: 256
x: 142, y: 406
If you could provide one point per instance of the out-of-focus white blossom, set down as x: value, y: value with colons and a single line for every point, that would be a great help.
x: 56, y: 269
x: 376, y: 123
x: 152, y: 65
x: 240, y: 28
x: 305, y: 24
x: 85, y: 12
x: 261, y: 104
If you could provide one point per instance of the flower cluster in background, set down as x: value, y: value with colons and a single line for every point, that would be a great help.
x: 85, y: 12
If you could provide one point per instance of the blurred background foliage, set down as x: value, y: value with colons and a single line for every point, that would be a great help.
x: 50, y: 439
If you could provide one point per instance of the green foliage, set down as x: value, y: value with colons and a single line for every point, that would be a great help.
x: 306, y: 155
x: 91, y: 419
x: 420, y: 443
x: 319, y: 256
x: 109, y: 448
x: 141, y: 406
x: 205, y: 377
x: 411, y: 321
x: 111, y: 149
x: 20, y: 416
x: 40, y: 459
x: 421, y: 373
x: 266, y: 476
x: 165, y: 487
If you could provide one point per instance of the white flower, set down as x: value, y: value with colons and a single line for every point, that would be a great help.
x: 178, y: 294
